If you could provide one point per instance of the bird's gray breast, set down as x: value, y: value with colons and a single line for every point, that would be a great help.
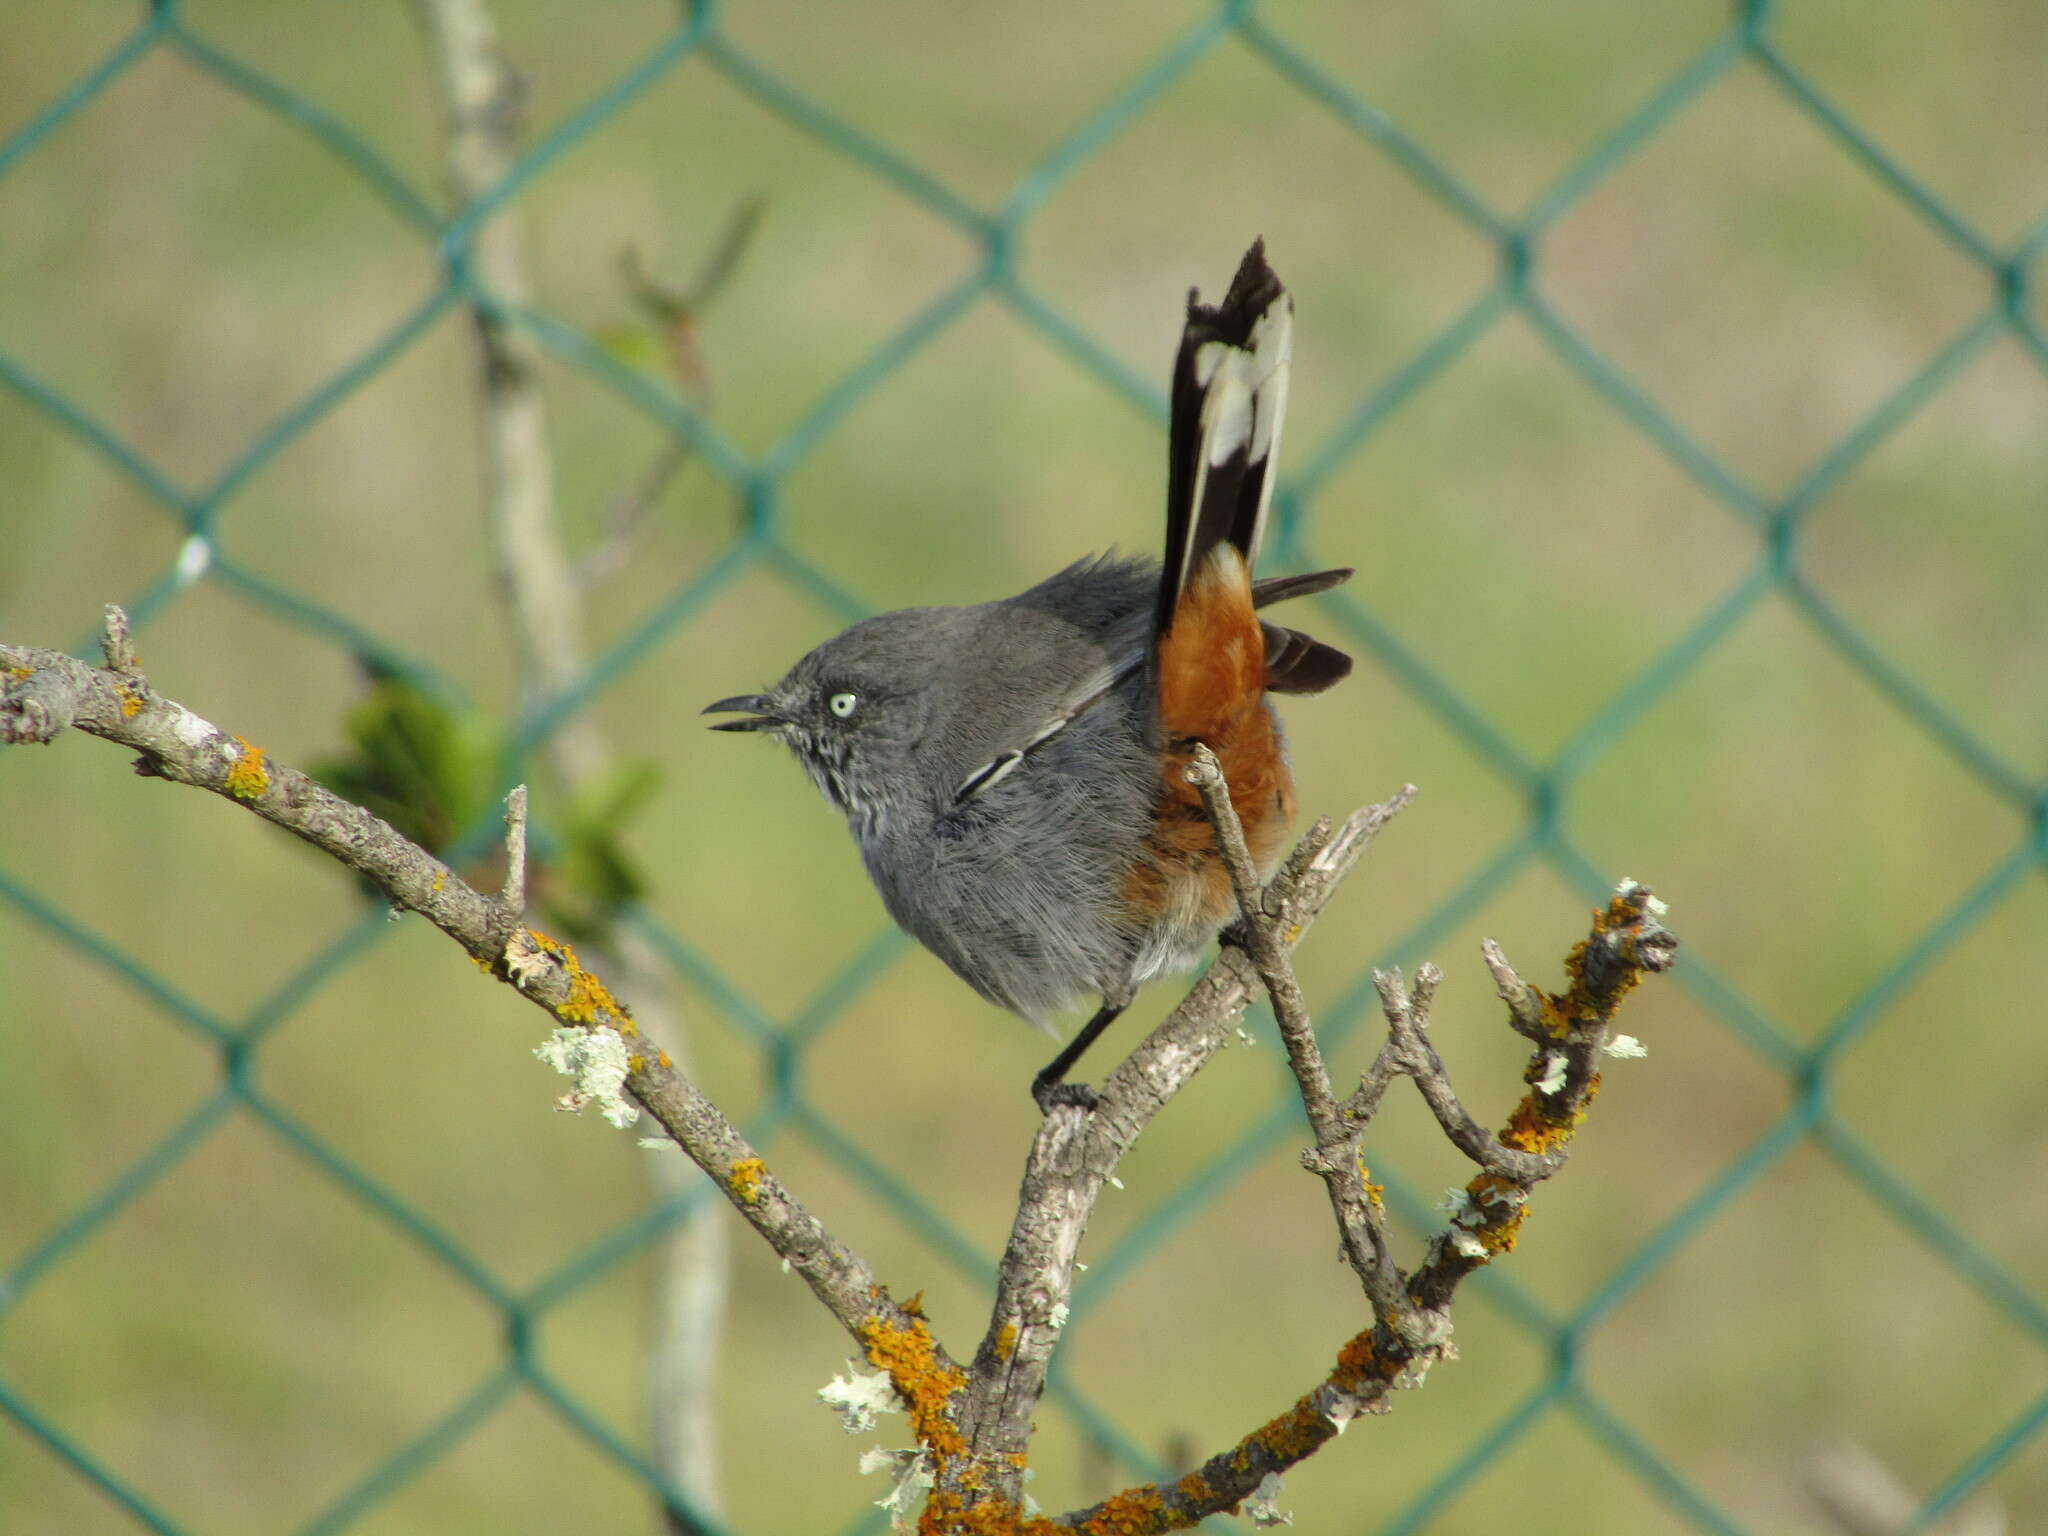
x: 1030, y: 811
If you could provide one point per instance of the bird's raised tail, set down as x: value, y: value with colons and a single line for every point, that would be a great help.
x: 1229, y: 401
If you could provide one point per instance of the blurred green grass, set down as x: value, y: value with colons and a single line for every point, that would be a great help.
x: 245, y: 1341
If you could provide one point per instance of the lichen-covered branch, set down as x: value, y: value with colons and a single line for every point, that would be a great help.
x: 1570, y: 1030
x: 44, y: 691
x: 1075, y: 1153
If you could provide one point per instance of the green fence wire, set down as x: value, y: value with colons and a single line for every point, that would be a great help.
x: 1777, y: 522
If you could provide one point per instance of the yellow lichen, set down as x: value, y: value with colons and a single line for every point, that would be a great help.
x: 1134, y: 1512
x: 1357, y: 1360
x: 440, y: 879
x: 636, y: 1063
x: 744, y: 1178
x: 1535, y: 1127
x: 1006, y: 1341
x: 19, y: 674
x: 247, y: 777
x: 131, y: 701
x: 949, y: 1515
x: 911, y: 1357
x: 590, y: 1001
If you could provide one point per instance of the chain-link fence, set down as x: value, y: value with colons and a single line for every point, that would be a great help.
x: 1801, y: 1041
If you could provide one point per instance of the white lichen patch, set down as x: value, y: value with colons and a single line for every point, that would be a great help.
x: 858, y: 1397
x: 524, y: 959
x: 1625, y: 1045
x: 1457, y: 1203
x: 597, y: 1060
x: 1263, y: 1507
x: 1553, y: 1073
x: 1627, y: 890
x: 193, y: 732
x: 912, y: 1471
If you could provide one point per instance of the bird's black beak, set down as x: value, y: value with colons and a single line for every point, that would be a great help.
x: 758, y: 708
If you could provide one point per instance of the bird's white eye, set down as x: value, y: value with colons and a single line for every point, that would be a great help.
x: 843, y: 704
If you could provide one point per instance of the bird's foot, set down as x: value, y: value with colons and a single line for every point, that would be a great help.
x: 1050, y: 1095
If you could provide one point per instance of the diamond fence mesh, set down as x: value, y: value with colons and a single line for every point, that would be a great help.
x: 1965, y: 1226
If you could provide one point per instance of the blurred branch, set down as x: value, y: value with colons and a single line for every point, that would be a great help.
x: 1861, y: 1496
x: 482, y: 100
x: 974, y: 1426
x: 673, y: 313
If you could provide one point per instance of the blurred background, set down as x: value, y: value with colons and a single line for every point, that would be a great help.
x: 1675, y: 375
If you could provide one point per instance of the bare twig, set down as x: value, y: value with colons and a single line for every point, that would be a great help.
x: 673, y: 312
x: 1335, y: 1157
x: 1407, y: 1014
x: 1268, y: 953
x: 514, y: 895
x: 115, y: 643
x: 1525, y: 1003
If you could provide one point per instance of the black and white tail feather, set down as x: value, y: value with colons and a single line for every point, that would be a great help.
x: 1229, y: 403
x: 1229, y: 398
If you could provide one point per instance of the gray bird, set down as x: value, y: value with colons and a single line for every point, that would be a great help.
x: 1013, y: 771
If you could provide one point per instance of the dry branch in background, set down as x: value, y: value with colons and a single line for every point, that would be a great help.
x: 973, y: 1422
x: 481, y: 100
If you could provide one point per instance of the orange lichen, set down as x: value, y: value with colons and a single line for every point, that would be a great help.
x: 1533, y: 1127
x: 665, y: 1062
x: 1500, y: 1236
x: 949, y: 1515
x: 1580, y: 1006
x: 1287, y: 1438
x: 1373, y: 1192
x: 19, y: 674
x: 911, y: 1357
x: 247, y: 777
x: 1358, y: 1362
x: 1134, y: 1512
x: 590, y: 1001
x: 1006, y: 1341
x: 744, y: 1178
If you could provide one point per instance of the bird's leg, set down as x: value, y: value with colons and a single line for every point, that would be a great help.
x: 1049, y: 1087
